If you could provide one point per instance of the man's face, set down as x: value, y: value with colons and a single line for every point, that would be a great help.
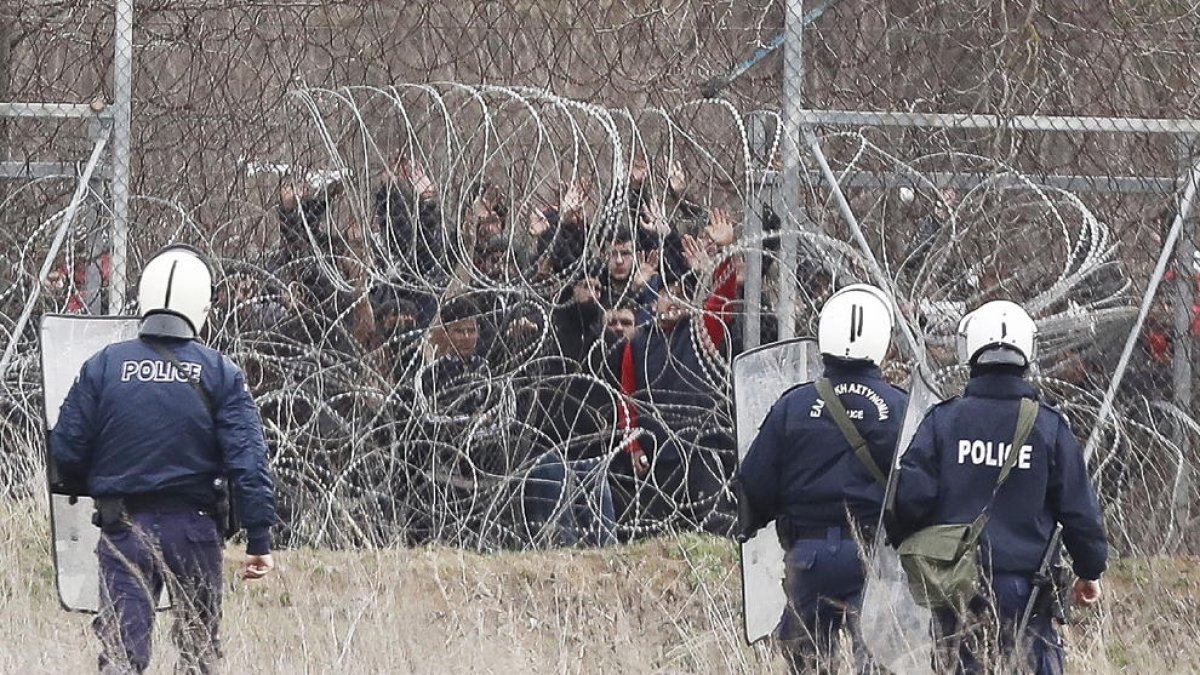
x: 388, y: 321
x: 246, y: 289
x: 620, y: 261
x: 490, y: 226
x: 620, y: 323
x: 490, y: 263
x: 464, y: 336
x: 405, y: 322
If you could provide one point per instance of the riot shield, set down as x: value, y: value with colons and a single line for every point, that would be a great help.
x: 67, y: 341
x: 760, y: 376
x: 895, y: 629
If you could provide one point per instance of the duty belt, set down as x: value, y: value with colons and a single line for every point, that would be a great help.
x: 789, y: 534
x: 160, y: 503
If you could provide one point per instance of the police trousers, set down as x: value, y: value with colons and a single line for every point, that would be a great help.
x: 985, y: 640
x: 176, y: 549
x: 823, y: 579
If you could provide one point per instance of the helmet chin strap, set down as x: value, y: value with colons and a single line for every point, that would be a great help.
x: 848, y: 361
x: 1000, y: 355
x: 167, y: 325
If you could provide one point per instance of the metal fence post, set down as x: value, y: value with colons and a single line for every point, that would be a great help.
x: 792, y: 104
x: 761, y: 186
x: 1185, y: 265
x: 1186, y: 203
x: 751, y: 314
x: 122, y: 114
x: 93, y: 284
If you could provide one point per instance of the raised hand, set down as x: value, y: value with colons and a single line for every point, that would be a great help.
x: 638, y: 170
x: 676, y: 179
x: 287, y: 196
x: 398, y: 171
x: 538, y: 224
x: 574, y: 197
x: 695, y: 255
x: 353, y: 231
x: 521, y: 326
x: 654, y: 217
x: 421, y: 184
x: 646, y: 268
x: 585, y: 292
x: 719, y: 229
x: 739, y: 269
x: 485, y: 202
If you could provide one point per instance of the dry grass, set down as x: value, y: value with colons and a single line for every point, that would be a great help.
x: 665, y: 606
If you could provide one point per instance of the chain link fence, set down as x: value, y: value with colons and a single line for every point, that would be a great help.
x: 439, y: 227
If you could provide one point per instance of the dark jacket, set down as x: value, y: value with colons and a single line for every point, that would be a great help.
x: 670, y: 376
x: 132, y: 426
x: 456, y: 388
x: 576, y: 327
x: 415, y: 247
x: 673, y: 387
x: 950, y: 469
x: 802, y: 468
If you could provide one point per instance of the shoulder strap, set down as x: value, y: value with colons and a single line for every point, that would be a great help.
x: 1026, y: 418
x: 170, y: 356
x: 838, y: 412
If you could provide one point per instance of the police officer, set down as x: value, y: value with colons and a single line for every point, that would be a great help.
x: 803, y: 471
x: 149, y: 426
x: 949, y: 474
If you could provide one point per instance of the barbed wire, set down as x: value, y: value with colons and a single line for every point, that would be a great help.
x: 356, y: 171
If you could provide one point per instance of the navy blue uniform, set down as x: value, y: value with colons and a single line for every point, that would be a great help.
x: 949, y: 473
x: 133, y: 426
x: 801, y: 471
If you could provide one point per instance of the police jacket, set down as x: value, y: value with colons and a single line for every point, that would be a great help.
x: 950, y: 469
x: 801, y: 468
x: 135, y: 427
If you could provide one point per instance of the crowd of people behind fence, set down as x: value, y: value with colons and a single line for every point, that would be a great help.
x: 492, y: 378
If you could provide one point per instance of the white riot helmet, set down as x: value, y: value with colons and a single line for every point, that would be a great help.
x: 856, y: 323
x: 998, y: 332
x: 176, y: 284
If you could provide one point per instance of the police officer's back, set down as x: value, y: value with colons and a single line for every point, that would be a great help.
x: 803, y: 472
x: 156, y: 428
x: 951, y: 468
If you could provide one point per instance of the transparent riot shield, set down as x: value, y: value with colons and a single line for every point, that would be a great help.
x: 67, y: 341
x: 895, y: 629
x: 760, y: 376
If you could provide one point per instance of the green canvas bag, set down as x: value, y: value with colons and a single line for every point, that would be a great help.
x: 942, y: 561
